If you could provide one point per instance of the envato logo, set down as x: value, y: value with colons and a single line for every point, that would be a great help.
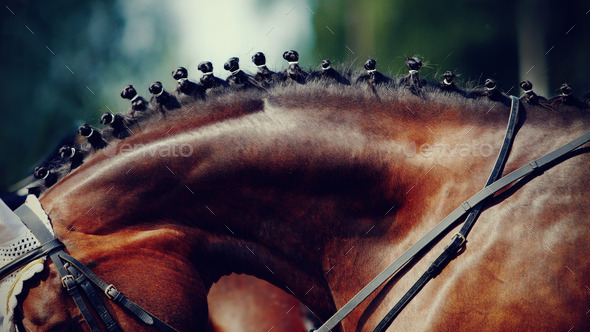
x: 444, y: 150
x: 183, y: 150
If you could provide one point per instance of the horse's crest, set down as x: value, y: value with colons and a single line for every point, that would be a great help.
x: 316, y: 181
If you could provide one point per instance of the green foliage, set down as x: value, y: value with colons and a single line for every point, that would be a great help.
x: 476, y: 39
x: 65, y: 72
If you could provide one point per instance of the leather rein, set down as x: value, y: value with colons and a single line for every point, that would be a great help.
x: 76, y: 278
x: 473, y: 206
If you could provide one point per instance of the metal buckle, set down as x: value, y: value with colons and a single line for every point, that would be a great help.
x: 65, y: 283
x: 111, y: 288
x: 462, y: 240
x: 534, y: 164
x: 465, y: 206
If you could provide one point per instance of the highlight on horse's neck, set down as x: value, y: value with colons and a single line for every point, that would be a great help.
x: 353, y: 175
x: 297, y: 178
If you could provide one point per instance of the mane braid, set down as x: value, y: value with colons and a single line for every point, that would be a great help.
x: 213, y: 99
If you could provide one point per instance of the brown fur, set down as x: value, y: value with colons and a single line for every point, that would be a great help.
x: 245, y: 303
x: 316, y: 184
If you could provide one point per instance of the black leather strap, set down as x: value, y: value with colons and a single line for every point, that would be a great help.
x: 448, y: 221
x: 28, y: 257
x: 36, y: 226
x: 118, y: 297
x: 69, y: 283
x: 75, y: 273
x: 452, y: 250
x: 94, y: 299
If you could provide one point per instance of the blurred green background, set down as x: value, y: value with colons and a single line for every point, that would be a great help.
x: 64, y: 62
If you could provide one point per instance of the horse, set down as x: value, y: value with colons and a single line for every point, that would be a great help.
x: 316, y: 186
x: 245, y: 303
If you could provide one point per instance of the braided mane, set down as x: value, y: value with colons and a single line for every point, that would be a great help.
x: 213, y: 100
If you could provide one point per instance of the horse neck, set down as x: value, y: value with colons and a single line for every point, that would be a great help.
x: 278, y: 193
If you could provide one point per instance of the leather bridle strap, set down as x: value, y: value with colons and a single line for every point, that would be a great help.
x: 446, y: 223
x: 458, y: 241
x: 75, y: 273
x: 95, y: 302
x: 28, y: 257
x: 36, y: 226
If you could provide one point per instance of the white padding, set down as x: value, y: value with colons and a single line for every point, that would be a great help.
x: 15, y: 240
